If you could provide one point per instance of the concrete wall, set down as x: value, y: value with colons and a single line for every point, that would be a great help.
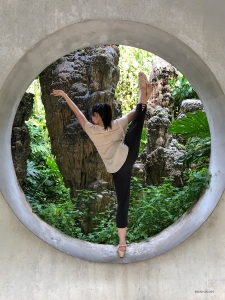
x: 29, y: 267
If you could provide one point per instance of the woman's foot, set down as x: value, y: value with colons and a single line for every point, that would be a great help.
x: 121, y: 250
x: 142, y: 80
x: 122, y: 241
x: 143, y: 86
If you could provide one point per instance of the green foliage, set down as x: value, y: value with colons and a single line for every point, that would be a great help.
x: 144, y: 141
x: 59, y: 215
x: 181, y: 90
x: 197, y: 153
x: 44, y: 180
x: 35, y: 89
x: 132, y: 60
x: 161, y: 206
x: 194, y: 124
x: 45, y: 189
x: 104, y: 231
x: 195, y: 128
x: 152, y: 209
x: 66, y: 215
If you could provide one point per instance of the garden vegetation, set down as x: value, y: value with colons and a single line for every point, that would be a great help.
x: 152, y: 208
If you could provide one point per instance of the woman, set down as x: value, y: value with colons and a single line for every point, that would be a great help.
x: 118, y: 149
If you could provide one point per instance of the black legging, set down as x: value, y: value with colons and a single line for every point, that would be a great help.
x: 123, y: 176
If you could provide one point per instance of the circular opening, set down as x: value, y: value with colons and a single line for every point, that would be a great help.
x: 86, y: 210
x: 106, y: 32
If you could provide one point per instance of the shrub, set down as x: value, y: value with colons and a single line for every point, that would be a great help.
x: 152, y: 209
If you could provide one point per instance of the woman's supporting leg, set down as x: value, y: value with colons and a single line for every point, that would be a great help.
x: 123, y: 176
x: 122, y: 185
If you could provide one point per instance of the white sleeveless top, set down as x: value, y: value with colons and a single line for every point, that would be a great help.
x: 109, y: 143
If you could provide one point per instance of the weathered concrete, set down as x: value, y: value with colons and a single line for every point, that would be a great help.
x: 31, y: 269
x: 187, y: 34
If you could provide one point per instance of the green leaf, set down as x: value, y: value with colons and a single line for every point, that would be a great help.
x: 194, y: 124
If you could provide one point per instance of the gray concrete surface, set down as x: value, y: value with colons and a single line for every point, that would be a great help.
x: 188, y: 35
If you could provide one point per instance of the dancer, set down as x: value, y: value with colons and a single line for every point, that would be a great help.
x: 118, y: 149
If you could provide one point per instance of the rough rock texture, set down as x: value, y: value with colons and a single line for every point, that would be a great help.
x: 189, y: 105
x: 162, y: 162
x: 160, y: 156
x: 88, y: 76
x: 162, y: 73
x: 20, y: 139
x: 157, y: 129
x: 139, y: 171
x: 161, y: 153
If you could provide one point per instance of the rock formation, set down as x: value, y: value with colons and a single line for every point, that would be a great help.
x: 189, y: 105
x: 20, y: 139
x: 162, y: 73
x: 88, y: 76
x: 161, y: 153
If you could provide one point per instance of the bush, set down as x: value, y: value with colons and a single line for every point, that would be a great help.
x: 44, y: 181
x: 159, y: 207
x: 152, y: 209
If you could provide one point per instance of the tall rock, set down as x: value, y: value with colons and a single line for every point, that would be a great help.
x: 160, y: 158
x: 88, y: 76
x: 162, y: 73
x: 20, y: 138
x: 161, y: 153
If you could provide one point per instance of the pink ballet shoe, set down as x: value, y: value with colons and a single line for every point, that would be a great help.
x: 121, y: 253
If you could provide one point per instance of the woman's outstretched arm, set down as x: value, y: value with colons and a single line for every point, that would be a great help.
x: 80, y: 116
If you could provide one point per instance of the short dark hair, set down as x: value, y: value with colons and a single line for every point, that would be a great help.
x: 105, y: 112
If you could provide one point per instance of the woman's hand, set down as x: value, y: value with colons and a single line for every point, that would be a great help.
x: 80, y: 116
x: 57, y: 93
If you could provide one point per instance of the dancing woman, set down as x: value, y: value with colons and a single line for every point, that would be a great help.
x: 117, y: 146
